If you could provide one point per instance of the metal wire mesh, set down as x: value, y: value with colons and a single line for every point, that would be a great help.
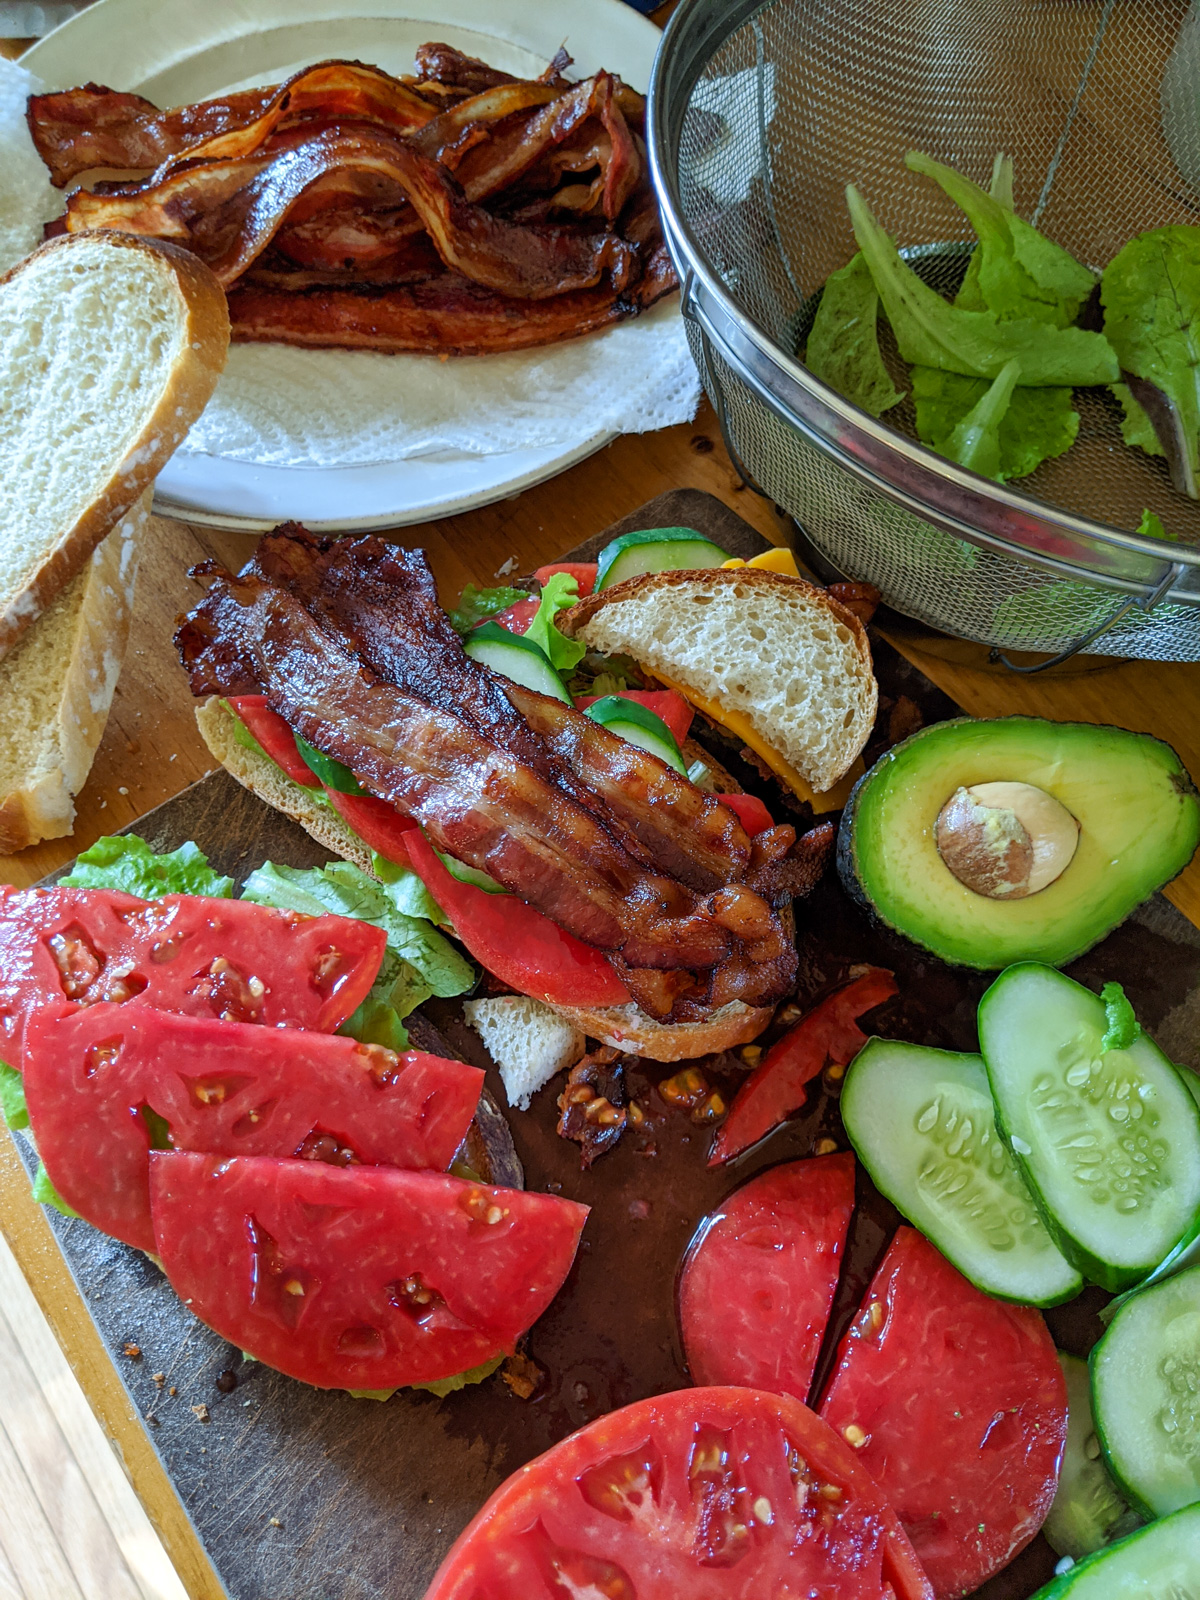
x: 802, y: 96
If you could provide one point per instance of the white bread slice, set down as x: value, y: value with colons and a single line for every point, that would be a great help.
x: 56, y: 687
x: 528, y: 1040
x: 110, y: 347
x: 774, y: 650
x: 625, y: 1027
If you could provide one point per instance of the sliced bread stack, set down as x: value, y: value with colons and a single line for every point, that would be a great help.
x: 110, y: 347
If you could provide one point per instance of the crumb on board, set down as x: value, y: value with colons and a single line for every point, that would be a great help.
x: 200, y: 1412
x: 133, y: 1351
x: 159, y: 1378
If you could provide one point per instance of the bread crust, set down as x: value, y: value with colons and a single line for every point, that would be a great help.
x: 44, y: 808
x: 575, y: 623
x: 626, y: 1027
x: 200, y: 363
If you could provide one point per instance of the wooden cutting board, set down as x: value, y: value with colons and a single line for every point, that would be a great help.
x: 300, y: 1494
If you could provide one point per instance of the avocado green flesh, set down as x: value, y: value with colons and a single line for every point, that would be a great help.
x: 1139, y: 820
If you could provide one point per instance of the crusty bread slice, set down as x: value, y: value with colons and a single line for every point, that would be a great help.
x: 774, y: 650
x: 626, y: 1027
x: 529, y: 1041
x: 56, y: 687
x: 110, y: 347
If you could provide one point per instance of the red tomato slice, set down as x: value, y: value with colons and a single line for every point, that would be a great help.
x: 376, y: 822
x: 750, y: 812
x: 668, y: 706
x: 757, y: 1286
x: 358, y: 1277
x: 273, y: 733
x: 226, y: 1088
x: 187, y: 953
x: 516, y: 942
x: 703, y: 1494
x: 776, y: 1087
x: 584, y: 573
x: 518, y: 618
x: 962, y: 1410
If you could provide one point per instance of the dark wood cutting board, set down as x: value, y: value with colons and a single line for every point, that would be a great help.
x: 300, y: 1494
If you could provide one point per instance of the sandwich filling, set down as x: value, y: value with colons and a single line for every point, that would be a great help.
x: 348, y: 644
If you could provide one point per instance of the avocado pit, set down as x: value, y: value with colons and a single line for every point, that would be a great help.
x: 1005, y: 840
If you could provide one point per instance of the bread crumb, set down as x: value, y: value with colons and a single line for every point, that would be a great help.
x: 200, y: 1412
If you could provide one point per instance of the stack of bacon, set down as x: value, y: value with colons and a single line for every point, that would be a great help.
x: 458, y: 211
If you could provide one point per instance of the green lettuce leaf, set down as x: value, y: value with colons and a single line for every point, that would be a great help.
x: 1150, y: 527
x: 46, y: 1194
x: 559, y: 594
x: 1037, y: 425
x: 975, y: 441
x: 843, y: 347
x: 932, y: 333
x: 442, y: 1387
x: 1150, y: 291
x: 126, y: 862
x: 1015, y: 271
x: 1122, y: 1026
x: 1136, y: 428
x: 12, y: 1098
x: 346, y: 890
x: 477, y: 605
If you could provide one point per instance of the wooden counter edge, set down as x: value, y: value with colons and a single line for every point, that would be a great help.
x: 32, y: 1242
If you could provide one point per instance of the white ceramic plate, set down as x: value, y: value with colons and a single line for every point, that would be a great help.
x: 178, y: 51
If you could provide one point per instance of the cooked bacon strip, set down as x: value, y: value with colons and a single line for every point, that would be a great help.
x: 445, y: 64
x: 474, y: 795
x: 383, y: 603
x: 475, y: 800
x: 227, y: 212
x: 78, y: 130
x: 446, y: 314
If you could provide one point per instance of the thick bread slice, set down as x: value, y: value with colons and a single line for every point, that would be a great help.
x: 626, y: 1027
x: 56, y: 687
x: 529, y: 1041
x: 775, y: 650
x: 110, y: 347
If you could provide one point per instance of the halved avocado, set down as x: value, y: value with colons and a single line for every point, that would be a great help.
x: 1139, y: 825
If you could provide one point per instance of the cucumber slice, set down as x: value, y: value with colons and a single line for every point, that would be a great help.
x: 1161, y: 1562
x: 1108, y: 1142
x: 656, y: 550
x: 640, y: 726
x: 1088, y: 1512
x: 515, y: 657
x: 1146, y: 1395
x: 334, y: 774
x: 472, y: 875
x: 922, y: 1123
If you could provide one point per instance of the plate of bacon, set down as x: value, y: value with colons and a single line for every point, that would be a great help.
x: 434, y: 226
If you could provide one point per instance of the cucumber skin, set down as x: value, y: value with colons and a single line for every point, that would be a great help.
x: 1102, y: 1273
x: 1072, y: 1527
x: 1135, y: 1499
x: 897, y: 1200
x: 1059, y: 1588
x: 641, y: 539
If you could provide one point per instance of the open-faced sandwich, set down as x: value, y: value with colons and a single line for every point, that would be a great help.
x: 586, y: 854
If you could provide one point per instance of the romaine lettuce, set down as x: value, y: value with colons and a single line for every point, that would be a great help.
x: 843, y: 347
x: 125, y: 862
x: 1037, y: 425
x: 559, y: 593
x: 1150, y: 291
x: 932, y: 333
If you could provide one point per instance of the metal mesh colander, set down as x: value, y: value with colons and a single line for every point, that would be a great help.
x: 760, y: 115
